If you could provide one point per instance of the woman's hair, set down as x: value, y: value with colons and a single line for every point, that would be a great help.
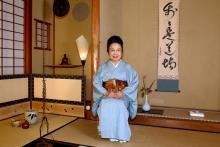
x: 114, y: 39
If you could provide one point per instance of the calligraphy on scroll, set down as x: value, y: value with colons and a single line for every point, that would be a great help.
x: 168, y: 39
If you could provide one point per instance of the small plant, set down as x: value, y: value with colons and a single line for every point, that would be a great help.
x: 146, y: 90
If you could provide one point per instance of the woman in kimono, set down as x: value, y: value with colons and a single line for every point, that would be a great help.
x: 114, y: 107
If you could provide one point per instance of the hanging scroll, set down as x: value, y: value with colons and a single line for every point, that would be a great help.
x: 168, y: 76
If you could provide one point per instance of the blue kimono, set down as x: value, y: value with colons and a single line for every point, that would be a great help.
x: 114, y: 113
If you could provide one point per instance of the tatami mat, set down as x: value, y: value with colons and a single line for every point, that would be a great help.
x: 85, y: 132
x: 17, y: 137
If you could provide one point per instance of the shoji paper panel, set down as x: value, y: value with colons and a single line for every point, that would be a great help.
x: 13, y: 89
x: 60, y: 89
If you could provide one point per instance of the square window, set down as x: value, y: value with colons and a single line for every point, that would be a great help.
x: 42, y: 35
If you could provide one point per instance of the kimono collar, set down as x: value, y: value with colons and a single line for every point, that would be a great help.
x: 116, y: 65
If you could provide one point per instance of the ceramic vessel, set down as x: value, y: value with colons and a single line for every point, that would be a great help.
x: 146, y: 106
x: 31, y: 116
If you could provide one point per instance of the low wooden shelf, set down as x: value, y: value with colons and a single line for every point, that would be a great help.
x: 63, y: 66
x: 175, y: 118
x: 180, y: 119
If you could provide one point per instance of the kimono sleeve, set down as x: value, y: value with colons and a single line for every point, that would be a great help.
x: 98, y: 91
x: 131, y: 91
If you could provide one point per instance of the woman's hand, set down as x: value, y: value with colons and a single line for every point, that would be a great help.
x: 115, y: 95
x: 111, y: 94
x: 118, y: 95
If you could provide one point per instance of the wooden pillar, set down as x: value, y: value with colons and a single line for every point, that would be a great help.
x: 28, y: 36
x: 95, y: 40
x: 95, y: 48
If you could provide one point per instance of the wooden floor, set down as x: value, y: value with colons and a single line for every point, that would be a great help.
x: 83, y: 131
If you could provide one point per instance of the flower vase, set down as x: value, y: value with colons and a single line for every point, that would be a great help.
x: 146, y: 106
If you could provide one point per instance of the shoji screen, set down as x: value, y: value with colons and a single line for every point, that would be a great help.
x: 11, y: 37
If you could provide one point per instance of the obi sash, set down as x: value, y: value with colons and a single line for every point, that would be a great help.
x: 114, y: 85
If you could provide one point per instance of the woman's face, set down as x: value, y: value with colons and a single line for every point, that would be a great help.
x: 115, y: 52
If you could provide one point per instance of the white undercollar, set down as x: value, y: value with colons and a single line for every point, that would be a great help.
x: 116, y: 65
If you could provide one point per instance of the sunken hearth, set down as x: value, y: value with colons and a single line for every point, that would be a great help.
x: 42, y: 142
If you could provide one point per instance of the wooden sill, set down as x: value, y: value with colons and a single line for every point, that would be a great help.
x: 39, y: 48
